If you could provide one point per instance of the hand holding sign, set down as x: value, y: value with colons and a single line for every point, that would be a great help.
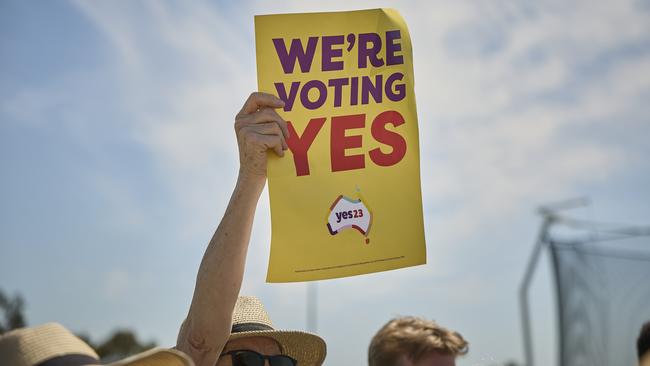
x: 259, y: 128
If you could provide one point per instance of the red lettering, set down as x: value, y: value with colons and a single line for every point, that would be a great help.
x: 340, y: 142
x: 300, y: 144
x: 387, y: 137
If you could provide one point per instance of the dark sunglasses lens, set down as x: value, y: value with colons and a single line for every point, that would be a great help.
x: 247, y: 358
x: 281, y: 361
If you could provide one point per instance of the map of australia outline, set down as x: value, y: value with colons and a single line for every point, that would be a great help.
x: 347, y: 213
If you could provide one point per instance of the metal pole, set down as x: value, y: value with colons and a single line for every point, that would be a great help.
x: 312, y: 305
x: 523, y: 290
x: 560, y: 311
x: 550, y: 217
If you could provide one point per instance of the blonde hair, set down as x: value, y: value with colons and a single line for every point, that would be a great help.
x: 414, y: 338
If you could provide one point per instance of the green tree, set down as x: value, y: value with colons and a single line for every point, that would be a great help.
x: 120, y: 344
x: 12, y: 309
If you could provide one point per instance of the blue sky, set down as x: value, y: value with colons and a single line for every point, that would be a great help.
x: 117, y: 158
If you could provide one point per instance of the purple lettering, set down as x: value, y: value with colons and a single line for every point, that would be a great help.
x: 392, y: 47
x: 400, y: 89
x: 366, y: 53
x: 354, y: 91
x: 282, y: 94
x: 329, y: 53
x: 322, y: 94
x: 296, y: 52
x: 367, y: 88
x: 338, y: 86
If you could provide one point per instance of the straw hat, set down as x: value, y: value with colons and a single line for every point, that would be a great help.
x: 249, y: 319
x: 52, y: 344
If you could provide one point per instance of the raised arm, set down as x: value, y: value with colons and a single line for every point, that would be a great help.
x: 206, y: 329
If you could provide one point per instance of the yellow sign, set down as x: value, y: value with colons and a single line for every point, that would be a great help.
x: 346, y: 199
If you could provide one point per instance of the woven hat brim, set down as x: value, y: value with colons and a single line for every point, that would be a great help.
x: 156, y: 357
x: 307, y: 348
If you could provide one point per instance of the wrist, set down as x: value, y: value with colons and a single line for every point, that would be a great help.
x: 248, y: 180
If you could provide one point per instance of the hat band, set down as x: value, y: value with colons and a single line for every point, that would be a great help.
x: 249, y: 327
x: 71, y: 360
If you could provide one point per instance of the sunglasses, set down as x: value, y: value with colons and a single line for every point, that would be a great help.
x: 252, y: 358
